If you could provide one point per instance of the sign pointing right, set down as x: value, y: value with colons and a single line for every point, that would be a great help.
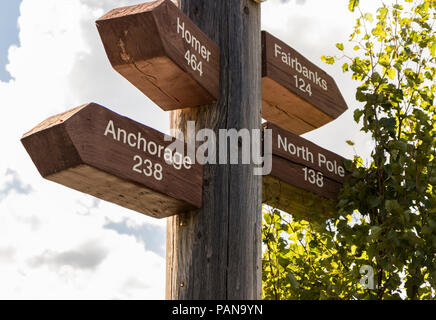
x: 296, y: 94
x: 305, y: 165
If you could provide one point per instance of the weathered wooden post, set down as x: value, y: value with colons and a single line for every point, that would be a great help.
x: 215, y: 252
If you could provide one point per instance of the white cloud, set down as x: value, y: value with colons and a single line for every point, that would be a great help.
x: 54, y: 242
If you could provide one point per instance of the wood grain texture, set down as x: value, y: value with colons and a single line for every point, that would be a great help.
x: 293, y: 156
x: 293, y: 174
x: 81, y: 150
x: 301, y: 203
x: 215, y: 253
x: 144, y: 43
x: 327, y: 162
x: 284, y: 103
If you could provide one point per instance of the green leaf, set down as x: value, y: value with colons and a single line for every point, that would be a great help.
x: 388, y: 123
x: 383, y: 13
x: 349, y: 142
x: 340, y: 46
x: 352, y: 4
x: 391, y: 73
x: 433, y: 48
x: 357, y: 115
x: 374, y: 201
x: 283, y: 262
x: 292, y: 280
x: 369, y: 17
x: 360, y: 96
x: 358, y: 161
x: 375, y: 232
x: 345, y: 67
x: 328, y: 59
x: 393, y: 206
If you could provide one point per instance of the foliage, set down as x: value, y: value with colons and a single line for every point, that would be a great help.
x: 300, y: 262
x: 387, y: 209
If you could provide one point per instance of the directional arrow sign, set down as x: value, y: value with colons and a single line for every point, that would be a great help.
x: 305, y: 165
x: 296, y: 94
x: 163, y: 53
x: 98, y: 152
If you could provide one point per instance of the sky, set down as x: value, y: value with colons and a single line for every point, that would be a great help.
x: 9, y: 12
x: 59, y: 243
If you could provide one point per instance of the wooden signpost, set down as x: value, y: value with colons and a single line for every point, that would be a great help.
x: 296, y: 94
x: 216, y: 253
x: 303, y: 165
x: 98, y: 152
x: 214, y: 232
x: 163, y: 53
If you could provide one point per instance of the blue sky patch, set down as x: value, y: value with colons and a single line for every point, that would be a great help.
x: 152, y: 236
x: 9, y: 13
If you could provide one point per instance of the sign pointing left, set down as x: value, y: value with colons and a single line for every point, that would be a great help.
x: 98, y: 152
